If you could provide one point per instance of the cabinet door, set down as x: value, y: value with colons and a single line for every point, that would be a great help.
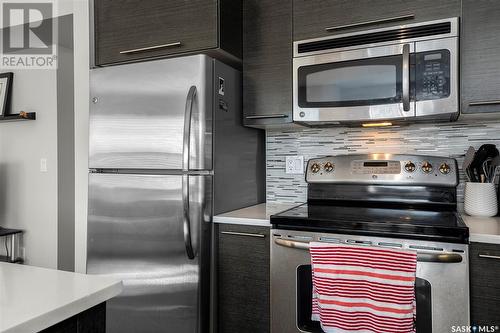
x: 480, y: 54
x: 267, y: 62
x: 484, y: 283
x: 127, y: 30
x: 243, y: 279
x: 311, y: 18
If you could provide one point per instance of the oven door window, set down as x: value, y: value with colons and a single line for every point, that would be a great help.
x: 373, y: 81
x: 304, y: 303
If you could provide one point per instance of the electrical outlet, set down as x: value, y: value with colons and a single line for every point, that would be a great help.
x: 43, y: 165
x: 294, y: 164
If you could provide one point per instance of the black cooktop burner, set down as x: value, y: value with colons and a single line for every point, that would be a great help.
x: 442, y: 226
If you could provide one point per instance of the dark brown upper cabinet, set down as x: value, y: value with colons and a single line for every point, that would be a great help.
x: 322, y: 18
x: 480, y: 56
x: 131, y: 30
x: 267, y: 63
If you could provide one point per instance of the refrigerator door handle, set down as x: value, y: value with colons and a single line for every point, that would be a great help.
x: 188, y: 115
x: 186, y: 218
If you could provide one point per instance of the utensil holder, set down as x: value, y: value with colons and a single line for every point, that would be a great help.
x: 480, y: 199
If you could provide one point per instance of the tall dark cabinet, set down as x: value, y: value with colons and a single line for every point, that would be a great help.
x: 480, y: 56
x: 267, y: 62
x: 130, y: 30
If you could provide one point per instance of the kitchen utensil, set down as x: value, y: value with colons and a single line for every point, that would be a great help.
x: 469, y: 157
x: 496, y: 173
x: 480, y: 199
x: 483, y: 153
x: 485, y: 173
x: 489, y: 168
x: 494, y: 167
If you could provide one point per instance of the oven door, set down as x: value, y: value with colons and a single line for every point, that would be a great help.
x: 441, y: 288
x: 356, y: 85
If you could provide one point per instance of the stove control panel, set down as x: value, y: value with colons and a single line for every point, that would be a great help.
x: 390, y: 169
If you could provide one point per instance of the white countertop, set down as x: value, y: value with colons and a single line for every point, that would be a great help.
x: 483, y: 229
x: 257, y: 215
x: 33, y: 298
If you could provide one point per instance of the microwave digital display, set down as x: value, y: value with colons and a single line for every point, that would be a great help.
x: 434, y: 56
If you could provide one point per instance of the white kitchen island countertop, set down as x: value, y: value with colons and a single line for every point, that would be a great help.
x: 257, y: 215
x: 34, y: 298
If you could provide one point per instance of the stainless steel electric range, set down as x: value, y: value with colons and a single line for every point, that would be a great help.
x: 399, y: 201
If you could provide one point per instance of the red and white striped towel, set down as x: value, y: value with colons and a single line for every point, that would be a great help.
x: 363, y: 289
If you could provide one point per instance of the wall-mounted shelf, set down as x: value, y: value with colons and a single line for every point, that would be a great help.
x: 18, y: 117
x: 12, y: 254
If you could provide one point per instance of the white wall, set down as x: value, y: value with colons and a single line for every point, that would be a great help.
x: 81, y: 49
x: 28, y: 198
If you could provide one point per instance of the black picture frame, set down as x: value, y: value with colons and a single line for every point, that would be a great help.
x: 5, y: 93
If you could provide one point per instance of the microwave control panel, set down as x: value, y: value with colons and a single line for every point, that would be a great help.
x: 432, y: 75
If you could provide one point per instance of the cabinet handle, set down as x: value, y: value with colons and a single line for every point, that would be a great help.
x: 487, y: 256
x: 365, y: 23
x: 150, y: 48
x: 242, y: 234
x: 266, y: 116
x: 480, y: 103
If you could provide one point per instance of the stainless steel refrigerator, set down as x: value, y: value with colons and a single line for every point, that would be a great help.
x: 167, y: 151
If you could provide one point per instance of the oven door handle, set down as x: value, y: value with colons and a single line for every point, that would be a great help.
x: 292, y: 244
x: 444, y: 257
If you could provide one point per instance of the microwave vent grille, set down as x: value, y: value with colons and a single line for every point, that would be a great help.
x: 376, y: 37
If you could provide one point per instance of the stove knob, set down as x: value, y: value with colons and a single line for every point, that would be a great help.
x: 329, y: 167
x: 410, y: 167
x: 426, y: 167
x: 444, y: 169
x: 315, y: 167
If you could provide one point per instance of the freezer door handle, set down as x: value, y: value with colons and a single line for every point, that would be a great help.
x: 186, y: 220
x: 188, y: 115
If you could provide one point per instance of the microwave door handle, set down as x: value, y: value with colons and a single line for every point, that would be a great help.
x: 406, y: 77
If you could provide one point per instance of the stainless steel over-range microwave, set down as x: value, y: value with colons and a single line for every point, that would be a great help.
x: 404, y: 73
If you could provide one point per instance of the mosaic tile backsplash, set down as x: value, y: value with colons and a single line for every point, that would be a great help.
x: 446, y: 139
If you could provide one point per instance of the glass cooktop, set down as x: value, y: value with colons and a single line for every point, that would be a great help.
x: 442, y: 226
